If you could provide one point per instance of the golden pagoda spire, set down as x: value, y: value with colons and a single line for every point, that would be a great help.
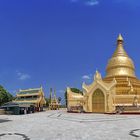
x: 120, y: 50
x: 120, y: 38
x: 120, y: 64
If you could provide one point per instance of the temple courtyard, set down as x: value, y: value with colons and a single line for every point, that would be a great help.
x: 60, y: 125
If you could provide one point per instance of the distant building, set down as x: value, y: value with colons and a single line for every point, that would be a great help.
x: 27, y: 101
x: 54, y: 103
x: 118, y: 91
x: 33, y: 97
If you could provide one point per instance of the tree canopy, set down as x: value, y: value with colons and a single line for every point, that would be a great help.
x: 76, y: 90
x: 47, y: 101
x: 5, y: 96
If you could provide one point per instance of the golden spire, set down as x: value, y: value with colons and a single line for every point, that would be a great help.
x: 120, y: 38
x: 120, y: 50
x: 120, y: 64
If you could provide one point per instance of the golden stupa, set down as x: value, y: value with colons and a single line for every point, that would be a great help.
x: 120, y: 64
x: 121, y: 67
x: 119, y: 91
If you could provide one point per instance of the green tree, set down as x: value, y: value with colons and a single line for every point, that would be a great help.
x: 5, y: 96
x: 76, y: 90
x: 47, y: 101
x: 59, y: 99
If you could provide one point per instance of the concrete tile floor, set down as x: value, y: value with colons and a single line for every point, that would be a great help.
x: 60, y: 125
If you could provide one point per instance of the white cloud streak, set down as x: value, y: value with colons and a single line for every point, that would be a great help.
x: 87, y: 2
x: 86, y: 77
x: 23, y: 76
x: 92, y: 2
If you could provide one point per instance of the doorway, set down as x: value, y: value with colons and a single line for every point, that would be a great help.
x: 98, y: 102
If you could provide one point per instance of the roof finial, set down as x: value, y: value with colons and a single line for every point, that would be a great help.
x: 120, y: 38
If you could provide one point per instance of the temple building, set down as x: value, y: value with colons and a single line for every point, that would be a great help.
x: 118, y: 91
x: 54, y: 103
x: 33, y: 97
x: 26, y: 101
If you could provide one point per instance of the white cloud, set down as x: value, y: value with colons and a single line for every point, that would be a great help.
x: 23, y: 76
x: 87, y: 2
x: 86, y: 77
x: 92, y: 2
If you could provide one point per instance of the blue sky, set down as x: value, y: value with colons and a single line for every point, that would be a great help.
x: 60, y: 43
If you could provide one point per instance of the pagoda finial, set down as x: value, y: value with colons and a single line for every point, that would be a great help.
x: 120, y: 50
x: 120, y: 38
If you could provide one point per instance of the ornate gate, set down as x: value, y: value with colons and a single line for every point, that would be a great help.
x: 98, y: 101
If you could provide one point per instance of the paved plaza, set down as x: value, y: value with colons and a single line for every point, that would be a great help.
x: 60, y: 125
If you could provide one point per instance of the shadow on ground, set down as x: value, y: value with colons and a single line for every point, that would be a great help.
x: 4, y: 120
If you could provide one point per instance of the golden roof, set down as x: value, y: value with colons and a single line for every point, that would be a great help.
x: 120, y: 64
